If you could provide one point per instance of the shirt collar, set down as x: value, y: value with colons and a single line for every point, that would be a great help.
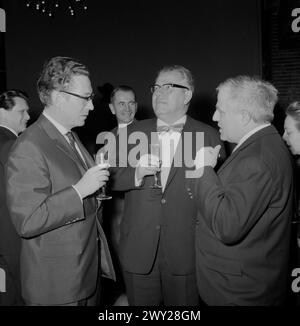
x: 123, y: 125
x: 10, y: 129
x: 63, y: 130
x: 162, y: 123
x: 249, y: 134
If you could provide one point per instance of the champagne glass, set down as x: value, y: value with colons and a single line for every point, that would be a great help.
x: 101, y: 193
x: 155, y: 151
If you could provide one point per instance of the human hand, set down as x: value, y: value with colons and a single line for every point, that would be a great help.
x: 92, y: 180
x: 147, y: 165
x: 207, y: 156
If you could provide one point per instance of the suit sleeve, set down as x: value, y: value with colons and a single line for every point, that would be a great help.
x: 34, y: 208
x: 230, y: 210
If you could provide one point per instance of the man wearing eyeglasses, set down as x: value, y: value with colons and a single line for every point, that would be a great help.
x: 157, y: 231
x: 51, y: 185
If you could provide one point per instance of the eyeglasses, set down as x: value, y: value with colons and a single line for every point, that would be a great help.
x: 87, y: 98
x: 166, y: 87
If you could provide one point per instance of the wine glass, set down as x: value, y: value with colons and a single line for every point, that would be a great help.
x: 101, y: 193
x: 155, y: 151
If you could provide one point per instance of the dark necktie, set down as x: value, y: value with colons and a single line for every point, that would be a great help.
x: 177, y: 127
x: 72, y: 143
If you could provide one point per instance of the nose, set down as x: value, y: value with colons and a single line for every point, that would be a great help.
x: 284, y: 137
x: 90, y: 105
x: 27, y: 116
x: 216, y: 116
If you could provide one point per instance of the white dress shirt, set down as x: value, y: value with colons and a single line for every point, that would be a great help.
x: 249, y: 134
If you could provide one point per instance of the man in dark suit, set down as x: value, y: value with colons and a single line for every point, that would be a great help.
x: 13, y: 120
x: 124, y: 106
x: 245, y: 210
x: 51, y: 185
x: 157, y: 231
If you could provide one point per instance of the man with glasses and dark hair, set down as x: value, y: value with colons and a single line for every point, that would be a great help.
x: 51, y: 185
x: 157, y: 231
x: 13, y: 119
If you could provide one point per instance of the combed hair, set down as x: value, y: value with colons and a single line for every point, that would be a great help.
x: 56, y: 75
x: 185, y: 73
x: 123, y: 88
x: 254, y: 95
x: 7, y: 98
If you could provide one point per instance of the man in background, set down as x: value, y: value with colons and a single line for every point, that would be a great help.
x: 13, y: 119
x: 124, y: 106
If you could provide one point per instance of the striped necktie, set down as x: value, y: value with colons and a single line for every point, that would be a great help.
x: 72, y: 143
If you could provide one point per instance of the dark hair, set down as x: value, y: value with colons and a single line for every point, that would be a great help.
x: 7, y: 99
x: 57, y: 74
x: 293, y: 110
x: 123, y: 88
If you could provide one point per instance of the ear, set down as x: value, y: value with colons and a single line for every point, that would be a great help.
x: 112, y: 109
x: 188, y: 96
x: 246, y: 117
x: 56, y: 97
x: 2, y: 113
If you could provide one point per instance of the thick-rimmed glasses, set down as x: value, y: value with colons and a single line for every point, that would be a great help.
x: 87, y: 98
x: 166, y: 87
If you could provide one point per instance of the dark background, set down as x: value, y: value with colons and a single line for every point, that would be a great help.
x: 127, y: 42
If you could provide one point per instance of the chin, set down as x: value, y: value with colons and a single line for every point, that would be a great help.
x: 295, y: 151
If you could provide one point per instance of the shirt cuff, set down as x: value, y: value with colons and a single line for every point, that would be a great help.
x: 137, y: 182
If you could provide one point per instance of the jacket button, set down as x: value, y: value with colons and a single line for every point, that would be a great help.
x: 157, y: 227
x: 163, y: 201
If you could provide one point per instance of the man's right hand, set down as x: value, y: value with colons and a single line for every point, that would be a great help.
x: 93, y: 179
x: 147, y: 165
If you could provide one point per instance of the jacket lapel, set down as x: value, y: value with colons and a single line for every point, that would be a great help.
x: 180, y: 147
x: 259, y: 134
x: 59, y: 140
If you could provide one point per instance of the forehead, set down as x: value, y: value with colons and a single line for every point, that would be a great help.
x: 123, y: 95
x: 170, y: 77
x: 290, y: 123
x: 20, y: 104
x: 81, y: 83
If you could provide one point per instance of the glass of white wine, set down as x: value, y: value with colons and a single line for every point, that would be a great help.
x: 155, y: 151
x: 101, y: 193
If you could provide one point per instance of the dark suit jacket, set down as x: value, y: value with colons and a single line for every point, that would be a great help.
x: 243, y: 231
x: 150, y: 214
x: 9, y: 239
x: 59, y: 255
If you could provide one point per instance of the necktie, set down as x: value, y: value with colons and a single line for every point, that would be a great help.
x: 177, y: 127
x: 72, y: 143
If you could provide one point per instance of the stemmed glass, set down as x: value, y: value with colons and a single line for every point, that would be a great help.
x: 155, y: 151
x: 101, y: 194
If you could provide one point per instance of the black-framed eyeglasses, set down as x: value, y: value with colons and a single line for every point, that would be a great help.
x: 166, y: 87
x: 87, y: 98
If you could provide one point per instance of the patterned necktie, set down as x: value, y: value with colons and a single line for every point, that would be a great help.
x: 177, y: 127
x: 72, y: 143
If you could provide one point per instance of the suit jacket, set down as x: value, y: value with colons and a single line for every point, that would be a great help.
x: 151, y: 215
x: 243, y: 230
x: 9, y: 239
x: 59, y: 255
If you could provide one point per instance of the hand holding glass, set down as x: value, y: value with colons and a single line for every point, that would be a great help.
x: 101, y: 194
x: 155, y: 151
